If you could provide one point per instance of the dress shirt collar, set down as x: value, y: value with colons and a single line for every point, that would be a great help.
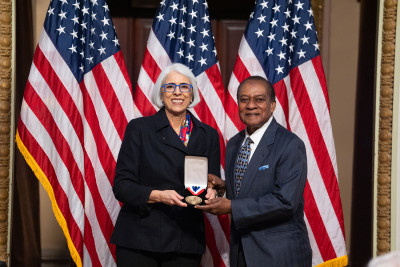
x: 258, y: 134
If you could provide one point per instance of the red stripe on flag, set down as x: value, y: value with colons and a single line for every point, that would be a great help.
x: 110, y: 99
x: 319, y: 70
x: 317, y: 225
x: 105, y: 156
x: 206, y: 116
x: 150, y: 66
x: 102, y: 215
x: 317, y: 142
x: 57, y: 87
x: 60, y: 197
x: 142, y: 103
x: 211, y: 244
x: 225, y: 222
x: 231, y: 109
x: 90, y: 244
x: 45, y: 117
x: 281, y: 94
x: 240, y: 70
x: 215, y: 78
x: 122, y: 68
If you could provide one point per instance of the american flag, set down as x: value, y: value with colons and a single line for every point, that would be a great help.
x: 280, y: 43
x: 77, y: 103
x: 181, y: 32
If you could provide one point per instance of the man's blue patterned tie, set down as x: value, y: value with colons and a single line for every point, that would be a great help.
x: 242, y: 161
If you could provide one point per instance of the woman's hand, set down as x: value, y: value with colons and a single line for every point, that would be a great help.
x: 216, y: 183
x: 211, y: 193
x: 168, y: 197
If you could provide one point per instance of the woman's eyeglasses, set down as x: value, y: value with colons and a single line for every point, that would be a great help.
x: 183, y: 87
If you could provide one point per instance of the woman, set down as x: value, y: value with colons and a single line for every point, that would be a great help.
x: 154, y: 226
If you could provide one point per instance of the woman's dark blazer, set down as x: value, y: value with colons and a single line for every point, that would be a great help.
x: 152, y: 158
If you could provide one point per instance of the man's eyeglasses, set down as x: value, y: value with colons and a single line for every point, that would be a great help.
x: 183, y: 87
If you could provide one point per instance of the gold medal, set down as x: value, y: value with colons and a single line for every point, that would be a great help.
x: 193, y: 200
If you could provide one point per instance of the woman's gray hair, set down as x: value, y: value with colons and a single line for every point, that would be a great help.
x: 182, y: 69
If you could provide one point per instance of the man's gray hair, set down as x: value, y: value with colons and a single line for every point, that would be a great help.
x: 156, y: 96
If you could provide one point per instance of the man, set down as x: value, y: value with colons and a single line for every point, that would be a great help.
x: 264, y: 186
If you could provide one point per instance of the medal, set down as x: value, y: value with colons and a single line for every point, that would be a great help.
x: 193, y: 200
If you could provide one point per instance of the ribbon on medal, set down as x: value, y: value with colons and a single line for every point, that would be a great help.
x: 195, y: 190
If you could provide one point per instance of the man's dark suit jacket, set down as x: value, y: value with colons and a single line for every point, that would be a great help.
x: 152, y: 158
x: 267, y: 215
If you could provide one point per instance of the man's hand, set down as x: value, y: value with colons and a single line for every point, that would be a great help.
x: 216, y: 183
x: 216, y: 206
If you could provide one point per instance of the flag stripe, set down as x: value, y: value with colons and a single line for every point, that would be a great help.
x: 325, y: 208
x: 316, y: 141
x: 239, y: 70
x: 62, y: 70
x: 282, y: 96
x: 241, y: 73
x: 150, y: 66
x: 103, y: 248
x: 101, y: 211
x: 102, y: 182
x: 211, y: 244
x: 319, y: 70
x: 105, y: 156
x: 207, y: 260
x: 206, y: 116
x: 62, y: 146
x: 232, y: 112
x: 221, y: 240
x: 90, y: 247
x: 215, y: 81
x: 33, y: 124
x: 157, y: 51
x: 71, y: 229
x: 212, y: 96
x: 317, y: 258
x: 114, y: 74
x: 321, y: 108
x: 109, y: 134
x: 143, y: 103
x: 318, y: 226
x: 224, y: 221
x: 110, y: 99
x: 57, y: 87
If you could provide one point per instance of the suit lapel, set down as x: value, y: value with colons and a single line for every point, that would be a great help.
x: 262, y: 151
x: 166, y: 133
x: 170, y: 138
x: 231, y: 161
